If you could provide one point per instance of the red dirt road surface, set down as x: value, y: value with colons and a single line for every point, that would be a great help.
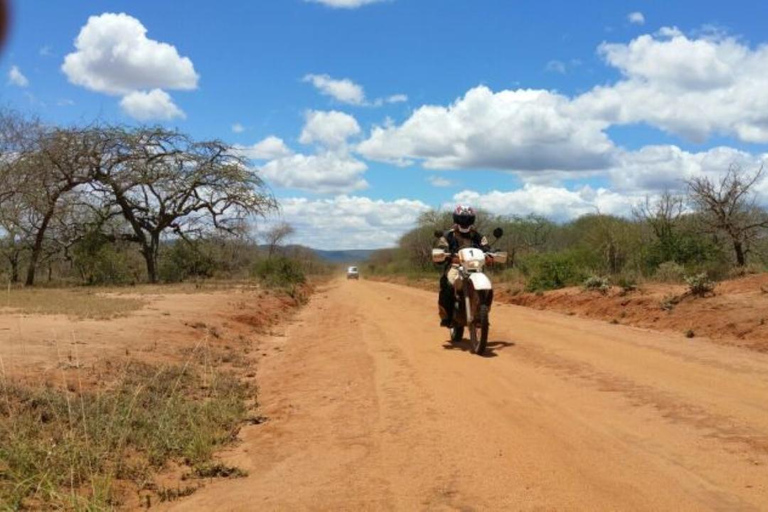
x: 369, y: 408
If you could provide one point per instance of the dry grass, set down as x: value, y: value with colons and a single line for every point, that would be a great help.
x: 190, y: 287
x: 78, y: 449
x: 77, y: 303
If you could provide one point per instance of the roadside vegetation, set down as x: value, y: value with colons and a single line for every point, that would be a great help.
x: 714, y: 231
x: 93, y: 219
x: 114, y: 205
x: 72, y: 448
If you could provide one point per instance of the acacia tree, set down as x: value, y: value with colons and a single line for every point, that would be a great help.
x: 524, y: 234
x: 39, y: 167
x: 728, y: 206
x: 276, y: 235
x: 18, y: 137
x: 663, y: 216
x: 163, y: 182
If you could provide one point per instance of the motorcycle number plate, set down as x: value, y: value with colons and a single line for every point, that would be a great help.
x: 467, y: 255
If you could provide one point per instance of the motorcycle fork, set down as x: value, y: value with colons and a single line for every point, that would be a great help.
x: 467, y: 301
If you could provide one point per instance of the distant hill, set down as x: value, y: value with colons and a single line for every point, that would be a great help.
x: 352, y: 256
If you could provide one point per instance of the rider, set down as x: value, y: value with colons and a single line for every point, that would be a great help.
x: 462, y: 235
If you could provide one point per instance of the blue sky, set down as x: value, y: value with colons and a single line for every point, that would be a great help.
x: 374, y: 112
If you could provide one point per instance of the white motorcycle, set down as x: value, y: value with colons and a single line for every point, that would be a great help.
x: 474, y: 294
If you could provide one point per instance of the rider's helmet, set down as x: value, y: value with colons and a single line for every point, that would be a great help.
x: 464, y: 217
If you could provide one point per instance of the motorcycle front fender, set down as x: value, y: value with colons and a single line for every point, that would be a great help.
x: 480, y: 281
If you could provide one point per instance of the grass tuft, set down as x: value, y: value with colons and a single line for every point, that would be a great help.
x: 67, y: 449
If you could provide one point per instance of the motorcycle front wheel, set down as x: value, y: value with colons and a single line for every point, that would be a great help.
x: 478, y: 331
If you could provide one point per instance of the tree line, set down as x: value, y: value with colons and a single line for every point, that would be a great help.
x: 75, y: 198
x: 716, y: 225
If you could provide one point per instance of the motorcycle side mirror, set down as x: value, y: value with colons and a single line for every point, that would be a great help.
x: 498, y: 232
x: 438, y: 233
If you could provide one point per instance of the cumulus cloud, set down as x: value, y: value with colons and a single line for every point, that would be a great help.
x: 653, y: 169
x: 114, y: 56
x: 268, y: 149
x: 345, y: 4
x: 694, y: 88
x: 556, y: 203
x: 238, y: 128
x: 346, y: 91
x: 523, y: 130
x: 330, y: 129
x: 636, y: 18
x: 327, y: 172
x: 343, y: 90
x: 154, y: 104
x: 350, y: 222
x: 332, y: 169
x: 17, y: 78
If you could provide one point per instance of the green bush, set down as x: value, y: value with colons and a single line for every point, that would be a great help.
x: 279, y: 272
x: 597, y: 283
x: 700, y: 284
x: 552, y: 271
x: 100, y: 262
x: 182, y: 260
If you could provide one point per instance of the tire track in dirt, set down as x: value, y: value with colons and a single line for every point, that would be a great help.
x: 371, y: 409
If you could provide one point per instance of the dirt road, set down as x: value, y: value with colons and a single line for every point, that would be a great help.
x: 370, y: 408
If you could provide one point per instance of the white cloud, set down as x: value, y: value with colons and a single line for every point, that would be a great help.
x: 114, y: 56
x: 389, y: 100
x: 268, y: 149
x: 523, y: 130
x: 694, y: 88
x: 350, y: 222
x: 343, y: 90
x: 556, y: 66
x: 439, y: 181
x: 238, y: 128
x: 557, y: 203
x: 17, y: 78
x: 328, y: 172
x: 346, y: 91
x: 345, y: 4
x: 636, y: 18
x: 396, y: 98
x: 654, y: 169
x: 152, y: 105
x: 330, y: 129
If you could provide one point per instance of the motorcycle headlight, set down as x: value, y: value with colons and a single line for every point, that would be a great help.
x: 474, y: 265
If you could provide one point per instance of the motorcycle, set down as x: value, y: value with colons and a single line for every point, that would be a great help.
x: 474, y: 298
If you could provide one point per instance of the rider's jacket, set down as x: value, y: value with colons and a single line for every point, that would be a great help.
x: 453, y: 240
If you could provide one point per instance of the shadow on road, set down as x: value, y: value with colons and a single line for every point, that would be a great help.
x: 490, y: 349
